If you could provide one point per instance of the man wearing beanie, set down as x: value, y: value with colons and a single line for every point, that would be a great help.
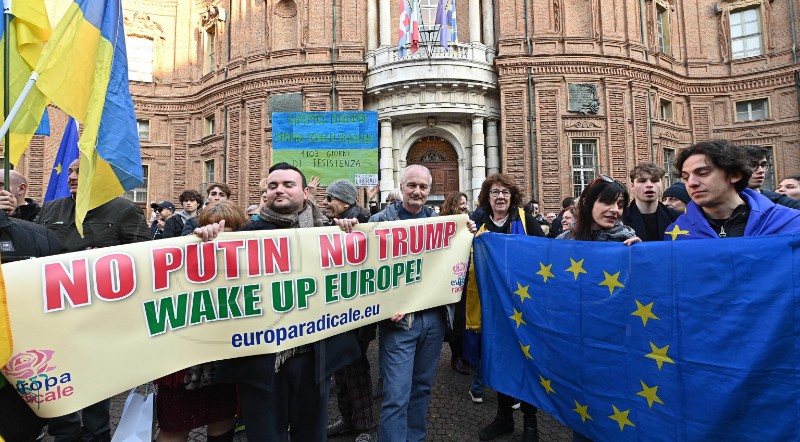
x: 676, y: 197
x: 353, y: 383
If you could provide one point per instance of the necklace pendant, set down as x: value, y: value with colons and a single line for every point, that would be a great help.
x: 722, y: 233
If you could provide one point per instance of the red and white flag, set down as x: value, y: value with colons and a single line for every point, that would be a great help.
x: 414, y: 25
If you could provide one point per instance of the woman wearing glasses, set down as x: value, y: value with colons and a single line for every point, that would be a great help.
x: 500, y: 211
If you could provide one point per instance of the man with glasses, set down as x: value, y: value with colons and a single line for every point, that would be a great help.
x: 716, y: 174
x: 759, y: 161
x: 646, y: 214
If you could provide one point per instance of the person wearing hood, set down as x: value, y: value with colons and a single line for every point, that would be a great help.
x: 191, y: 200
x: 676, y: 197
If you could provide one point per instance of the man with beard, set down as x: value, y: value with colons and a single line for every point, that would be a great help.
x: 646, y: 214
x: 287, y: 390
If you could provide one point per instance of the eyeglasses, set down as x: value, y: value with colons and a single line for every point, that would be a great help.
x: 605, y: 178
x: 218, y: 194
x: 496, y: 193
x: 763, y: 164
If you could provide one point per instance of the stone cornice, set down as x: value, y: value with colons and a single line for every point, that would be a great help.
x: 255, y: 85
x: 511, y: 69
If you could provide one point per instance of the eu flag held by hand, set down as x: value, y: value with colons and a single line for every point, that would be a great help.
x: 692, y: 340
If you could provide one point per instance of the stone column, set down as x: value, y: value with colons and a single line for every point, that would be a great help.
x: 474, y: 21
x: 478, y: 155
x: 386, y: 158
x: 492, y: 147
x: 372, y: 24
x: 386, y: 19
x: 488, y: 22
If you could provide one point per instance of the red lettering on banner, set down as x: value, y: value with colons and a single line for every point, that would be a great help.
x: 114, y: 277
x: 399, y: 242
x: 356, y: 247
x: 253, y: 258
x: 71, y: 283
x: 276, y: 256
x: 434, y: 236
x: 165, y: 261
x: 417, y: 242
x: 330, y: 251
x: 231, y: 253
x: 201, y: 262
x: 449, y: 232
x: 383, y: 247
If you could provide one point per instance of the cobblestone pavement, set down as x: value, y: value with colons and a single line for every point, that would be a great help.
x: 451, y: 417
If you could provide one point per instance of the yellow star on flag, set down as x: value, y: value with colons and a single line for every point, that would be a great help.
x: 583, y: 410
x: 650, y: 393
x: 621, y: 417
x: 576, y: 267
x: 644, y: 311
x: 546, y: 385
x: 522, y: 292
x: 675, y: 232
x: 58, y: 169
x: 611, y: 281
x: 517, y: 317
x: 659, y: 355
x: 527, y: 350
x: 545, y: 272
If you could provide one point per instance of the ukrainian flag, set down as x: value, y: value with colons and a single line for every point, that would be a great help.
x: 84, y: 71
x: 29, y: 29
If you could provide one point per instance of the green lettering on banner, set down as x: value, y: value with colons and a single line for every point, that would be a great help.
x: 228, y: 302
x: 160, y: 313
x: 202, y: 307
x: 367, y: 283
x: 331, y: 288
x: 251, y: 298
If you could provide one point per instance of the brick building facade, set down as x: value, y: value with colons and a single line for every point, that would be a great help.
x: 552, y: 92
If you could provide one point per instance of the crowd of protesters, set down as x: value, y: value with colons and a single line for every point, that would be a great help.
x: 720, y: 193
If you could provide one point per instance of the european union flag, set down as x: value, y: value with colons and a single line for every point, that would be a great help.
x: 67, y: 153
x: 688, y: 340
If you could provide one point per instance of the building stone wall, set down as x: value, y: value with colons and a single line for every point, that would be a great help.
x: 500, y: 97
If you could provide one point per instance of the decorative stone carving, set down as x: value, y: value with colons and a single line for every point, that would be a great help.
x: 286, y: 9
x: 584, y: 125
x: 756, y: 133
x: 142, y: 25
x: 211, y: 16
x: 583, y: 98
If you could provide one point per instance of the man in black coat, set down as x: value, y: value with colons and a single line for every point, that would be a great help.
x: 759, y: 161
x: 646, y: 214
x: 289, y: 389
x: 20, y: 239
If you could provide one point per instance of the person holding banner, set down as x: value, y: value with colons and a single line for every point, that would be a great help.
x: 21, y: 240
x: 353, y: 381
x: 188, y: 399
x: 290, y: 389
x: 117, y: 222
x: 410, y: 343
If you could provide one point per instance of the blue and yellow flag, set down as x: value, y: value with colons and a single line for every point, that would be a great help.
x: 58, y: 187
x: 28, y: 30
x: 84, y: 70
x: 691, y: 340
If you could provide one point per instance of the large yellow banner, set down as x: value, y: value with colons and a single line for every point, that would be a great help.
x: 88, y: 325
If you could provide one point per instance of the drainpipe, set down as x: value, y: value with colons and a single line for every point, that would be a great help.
x: 225, y: 107
x: 531, y: 115
x: 794, y: 53
x: 649, y: 83
x: 333, y: 62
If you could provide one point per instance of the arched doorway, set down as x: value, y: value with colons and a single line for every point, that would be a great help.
x: 438, y: 155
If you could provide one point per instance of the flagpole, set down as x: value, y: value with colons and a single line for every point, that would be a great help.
x: 6, y: 92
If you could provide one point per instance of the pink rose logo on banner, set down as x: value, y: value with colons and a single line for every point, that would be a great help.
x: 29, y: 364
